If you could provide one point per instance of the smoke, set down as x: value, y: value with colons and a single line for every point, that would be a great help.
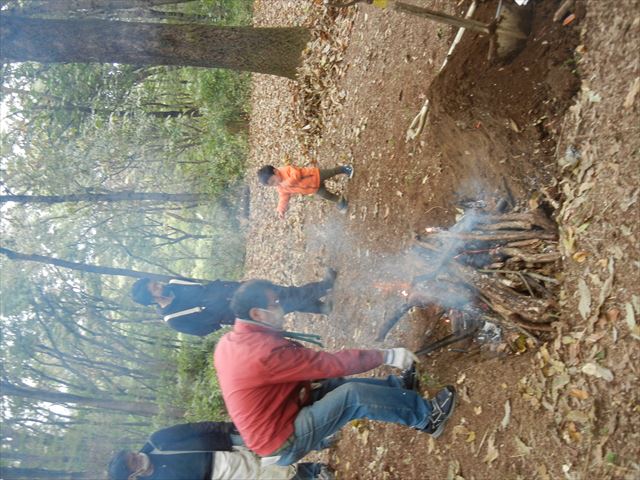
x: 372, y: 283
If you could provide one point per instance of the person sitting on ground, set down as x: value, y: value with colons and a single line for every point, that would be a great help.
x: 292, y: 180
x: 203, y: 451
x: 202, y: 308
x: 266, y: 382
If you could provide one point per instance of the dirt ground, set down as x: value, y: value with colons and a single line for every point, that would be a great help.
x: 557, y: 125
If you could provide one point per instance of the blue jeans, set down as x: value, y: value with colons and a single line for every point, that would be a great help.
x: 340, y: 400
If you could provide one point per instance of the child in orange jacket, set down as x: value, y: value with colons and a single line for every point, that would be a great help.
x: 292, y: 180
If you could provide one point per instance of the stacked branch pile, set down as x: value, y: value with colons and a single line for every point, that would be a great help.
x: 496, y: 267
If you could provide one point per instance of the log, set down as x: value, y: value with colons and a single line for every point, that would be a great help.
x: 502, y: 299
x: 493, y: 236
x: 524, y: 243
x: 536, y: 217
x: 529, y: 257
x: 510, y: 225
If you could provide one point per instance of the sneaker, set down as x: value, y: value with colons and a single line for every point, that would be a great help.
x: 410, y: 378
x: 325, y: 473
x: 442, y: 406
x: 327, y: 307
x: 349, y: 171
x: 328, y: 442
x: 342, y: 205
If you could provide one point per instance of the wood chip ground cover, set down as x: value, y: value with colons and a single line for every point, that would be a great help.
x: 567, y: 408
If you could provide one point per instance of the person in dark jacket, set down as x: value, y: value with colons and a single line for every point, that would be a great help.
x: 202, y: 308
x: 202, y: 451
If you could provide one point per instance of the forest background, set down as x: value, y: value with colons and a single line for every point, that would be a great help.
x: 110, y: 166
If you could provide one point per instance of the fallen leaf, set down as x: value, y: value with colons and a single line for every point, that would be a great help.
x: 492, y: 451
x: 559, y: 381
x: 580, y: 256
x: 633, y: 91
x: 542, y: 472
x: 464, y: 394
x: 523, y: 448
x: 584, y: 305
x: 477, y: 410
x: 507, y: 415
x: 593, y: 97
x: 534, y: 201
x: 597, y: 371
x: 364, y: 436
x: 471, y: 437
x: 578, y: 393
x: 459, y: 430
x: 461, y: 379
x: 605, y: 290
x: 577, y: 416
x: 431, y: 445
x: 567, y: 235
x: 595, y: 337
x: 613, y: 314
x: 582, y: 228
x: 453, y: 473
x: 631, y: 321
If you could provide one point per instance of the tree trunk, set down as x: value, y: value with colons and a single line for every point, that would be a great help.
x: 275, y: 51
x: 69, y: 6
x: 135, y: 408
x: 125, y: 196
x: 123, y: 272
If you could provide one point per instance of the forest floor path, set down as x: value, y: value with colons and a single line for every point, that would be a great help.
x: 559, y: 123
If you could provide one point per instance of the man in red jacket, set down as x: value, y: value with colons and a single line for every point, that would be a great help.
x: 266, y: 381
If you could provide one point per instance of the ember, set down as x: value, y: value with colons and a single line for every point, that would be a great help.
x: 393, y: 288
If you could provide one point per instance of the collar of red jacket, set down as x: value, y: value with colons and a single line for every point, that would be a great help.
x: 242, y: 326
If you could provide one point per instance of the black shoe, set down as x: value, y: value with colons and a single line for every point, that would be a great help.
x: 442, y: 406
x: 325, y: 473
x: 349, y: 171
x: 327, y: 307
x: 410, y: 378
x: 330, y: 276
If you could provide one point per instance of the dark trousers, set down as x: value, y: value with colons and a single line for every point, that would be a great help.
x: 305, y: 298
x: 307, y: 471
x: 326, y: 174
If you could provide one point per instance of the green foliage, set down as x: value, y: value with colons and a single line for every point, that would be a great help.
x: 77, y: 128
x: 196, y: 388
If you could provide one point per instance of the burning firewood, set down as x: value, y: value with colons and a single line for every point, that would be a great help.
x: 492, y: 267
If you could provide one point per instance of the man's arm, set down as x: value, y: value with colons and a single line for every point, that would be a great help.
x: 208, y: 435
x: 283, y: 203
x: 194, y: 321
x: 291, y: 363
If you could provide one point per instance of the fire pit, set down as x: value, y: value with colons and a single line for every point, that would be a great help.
x: 490, y: 272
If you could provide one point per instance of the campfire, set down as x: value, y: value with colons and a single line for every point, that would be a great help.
x: 488, y: 269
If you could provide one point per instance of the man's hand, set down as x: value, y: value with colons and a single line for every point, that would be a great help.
x: 399, y: 357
